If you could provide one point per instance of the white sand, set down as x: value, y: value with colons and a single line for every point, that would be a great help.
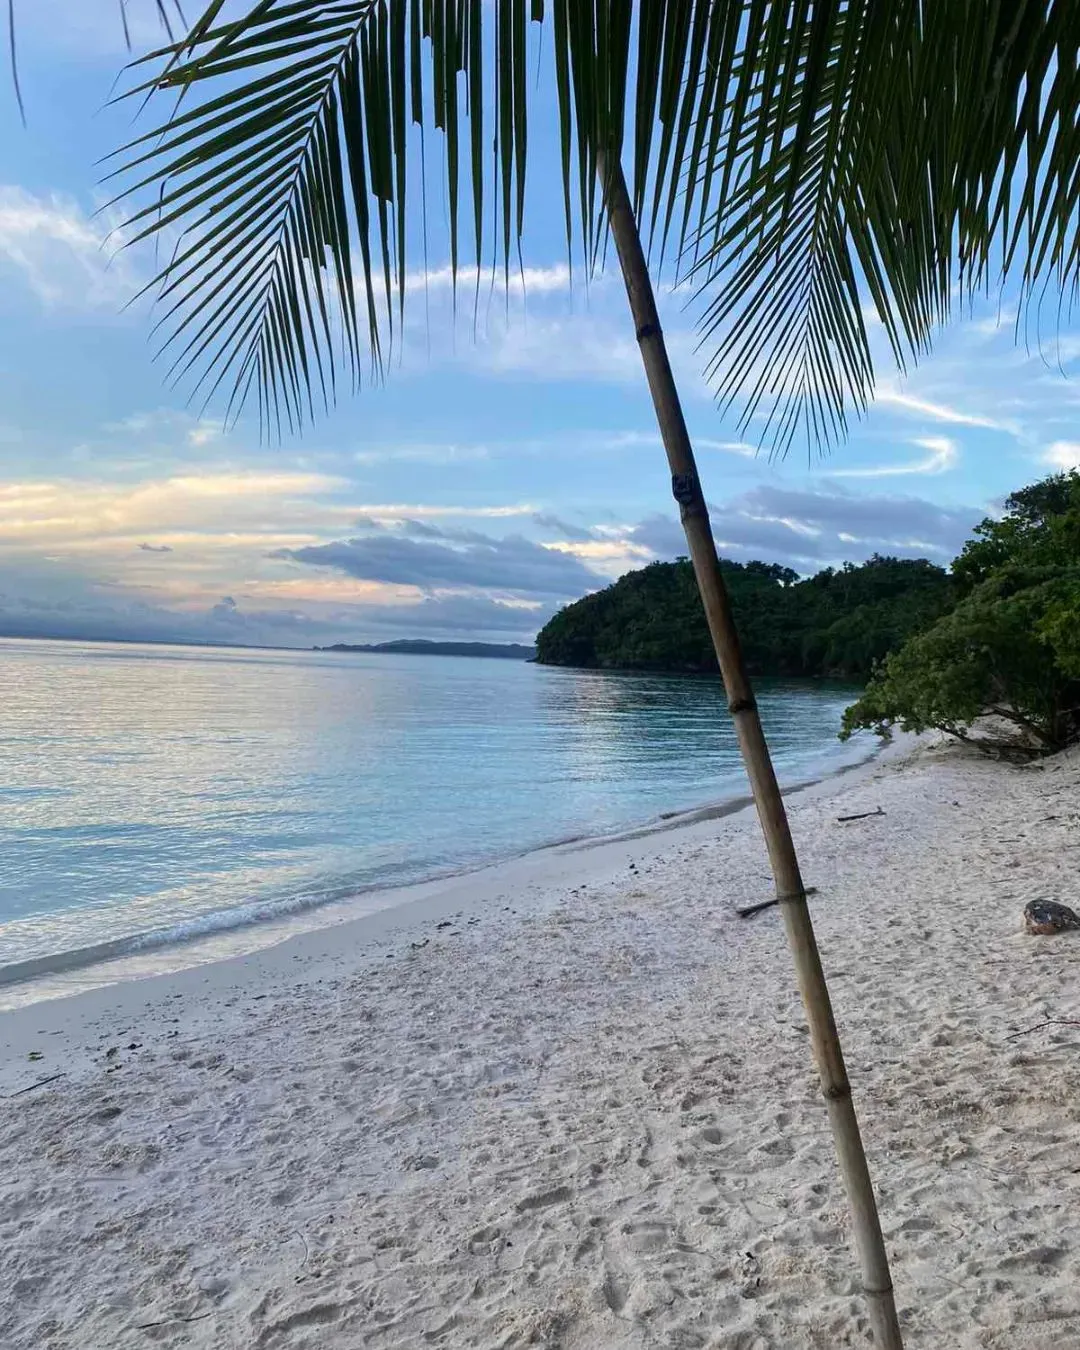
x: 591, y: 1123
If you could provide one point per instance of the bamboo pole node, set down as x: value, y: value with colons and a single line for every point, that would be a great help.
x: 749, y: 704
x: 686, y: 489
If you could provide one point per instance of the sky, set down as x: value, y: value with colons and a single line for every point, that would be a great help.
x: 494, y: 476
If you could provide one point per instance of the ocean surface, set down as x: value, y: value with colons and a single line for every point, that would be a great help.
x: 151, y: 793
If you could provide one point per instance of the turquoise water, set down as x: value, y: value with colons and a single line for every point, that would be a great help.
x: 149, y: 793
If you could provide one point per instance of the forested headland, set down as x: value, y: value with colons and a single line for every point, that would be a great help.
x: 837, y: 623
x: 996, y: 635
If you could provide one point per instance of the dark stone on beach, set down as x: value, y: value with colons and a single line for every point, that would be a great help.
x: 1047, y: 916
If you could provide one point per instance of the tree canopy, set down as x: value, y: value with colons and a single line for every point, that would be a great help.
x: 1010, y: 649
x: 837, y: 623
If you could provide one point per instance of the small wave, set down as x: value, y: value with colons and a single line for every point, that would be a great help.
x: 172, y: 935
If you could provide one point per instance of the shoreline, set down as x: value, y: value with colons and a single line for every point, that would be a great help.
x: 578, y: 1109
x: 221, y: 934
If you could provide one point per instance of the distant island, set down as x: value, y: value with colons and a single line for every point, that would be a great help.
x: 507, y: 651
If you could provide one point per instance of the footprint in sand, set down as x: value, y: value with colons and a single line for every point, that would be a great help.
x: 614, y: 1293
x: 487, y: 1241
x: 542, y: 1199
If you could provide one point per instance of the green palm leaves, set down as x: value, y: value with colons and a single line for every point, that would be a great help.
x: 899, y: 157
x: 289, y: 164
x: 800, y: 162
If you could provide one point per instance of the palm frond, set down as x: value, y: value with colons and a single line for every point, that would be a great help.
x: 802, y: 159
x: 921, y: 153
x: 169, y: 12
x: 287, y: 165
x: 285, y: 169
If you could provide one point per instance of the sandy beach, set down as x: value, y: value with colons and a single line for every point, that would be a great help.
x: 569, y: 1102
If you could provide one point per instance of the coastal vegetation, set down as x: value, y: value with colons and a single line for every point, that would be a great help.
x: 838, y: 623
x: 1009, y: 649
x: 997, y: 636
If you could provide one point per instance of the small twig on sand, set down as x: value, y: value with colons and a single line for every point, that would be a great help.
x: 41, y: 1082
x: 748, y: 910
x: 168, y: 1321
x: 863, y: 815
x: 1039, y: 1026
x: 307, y: 1249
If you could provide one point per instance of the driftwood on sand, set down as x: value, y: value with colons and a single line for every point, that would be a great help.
x: 749, y: 910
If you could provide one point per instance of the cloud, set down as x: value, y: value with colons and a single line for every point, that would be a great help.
x: 576, y: 348
x: 451, y: 560
x: 563, y: 528
x: 234, y: 531
x: 432, y: 453
x: 609, y: 549
x: 611, y: 557
x: 427, y: 576
x: 98, y: 515
x: 156, y: 422
x: 404, y: 511
x: 530, y: 280
x: 43, y: 599
x: 546, y: 333
x: 205, y: 433
x: 741, y: 448
x: 1063, y: 455
x: 808, y: 530
x: 944, y: 455
x: 620, y: 440
x: 582, y: 347
x: 1003, y: 318
x: 455, y: 616
x: 889, y: 395
x: 62, y: 254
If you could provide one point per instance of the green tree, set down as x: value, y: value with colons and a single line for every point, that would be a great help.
x: 1040, y: 527
x: 839, y: 623
x: 1010, y: 649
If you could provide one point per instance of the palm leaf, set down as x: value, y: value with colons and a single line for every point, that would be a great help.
x: 285, y: 165
x: 920, y: 154
x: 799, y: 157
x: 169, y: 12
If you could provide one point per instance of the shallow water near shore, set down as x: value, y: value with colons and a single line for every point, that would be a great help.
x: 152, y: 794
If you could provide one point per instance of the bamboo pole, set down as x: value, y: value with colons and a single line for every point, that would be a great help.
x: 790, y: 891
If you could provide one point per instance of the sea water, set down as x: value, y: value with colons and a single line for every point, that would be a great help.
x: 153, y: 793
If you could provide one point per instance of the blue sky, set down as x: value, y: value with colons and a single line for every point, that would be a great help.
x: 485, y: 484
